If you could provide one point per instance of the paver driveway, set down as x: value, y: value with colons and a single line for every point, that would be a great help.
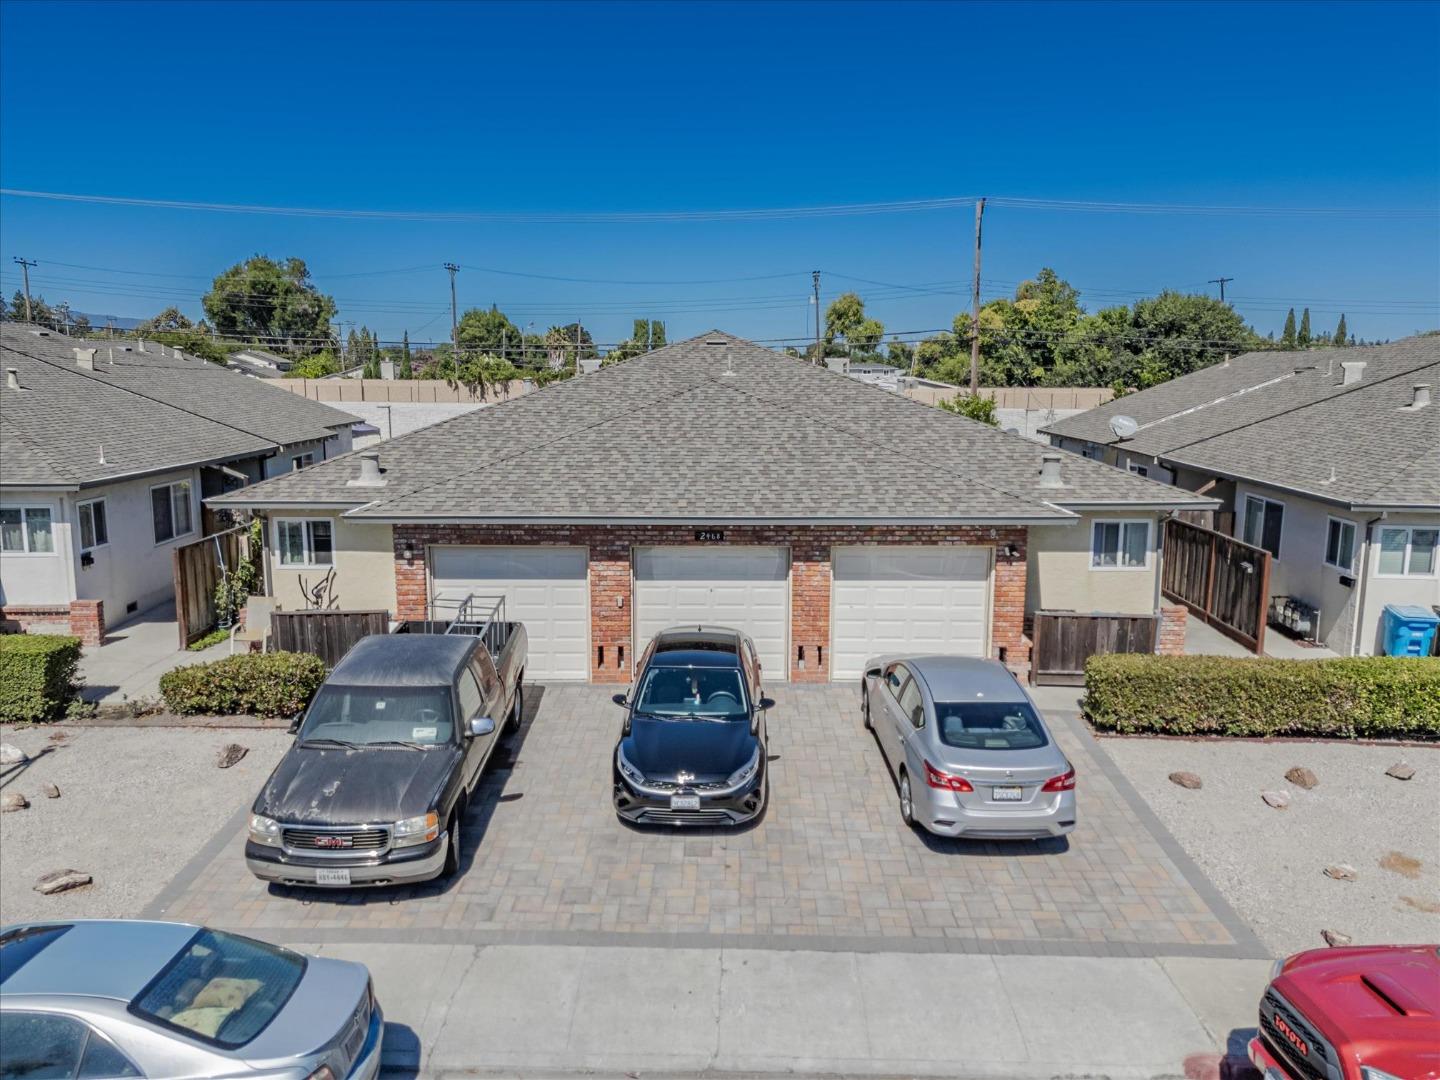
x: 829, y: 866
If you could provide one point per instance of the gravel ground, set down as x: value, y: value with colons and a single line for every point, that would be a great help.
x: 135, y: 805
x: 1268, y: 863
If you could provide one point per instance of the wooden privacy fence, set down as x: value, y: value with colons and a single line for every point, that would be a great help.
x: 199, y: 565
x: 1223, y: 580
x: 326, y: 634
x: 1064, y: 640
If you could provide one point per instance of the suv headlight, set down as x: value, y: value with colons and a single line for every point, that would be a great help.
x: 746, y: 772
x: 627, y: 770
x: 416, y: 830
x: 264, y: 830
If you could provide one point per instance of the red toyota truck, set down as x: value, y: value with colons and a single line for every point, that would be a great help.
x: 1357, y: 1013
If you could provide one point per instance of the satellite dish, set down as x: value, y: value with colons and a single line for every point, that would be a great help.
x: 1124, y: 427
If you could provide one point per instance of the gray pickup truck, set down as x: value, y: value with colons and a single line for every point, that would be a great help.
x: 385, y: 760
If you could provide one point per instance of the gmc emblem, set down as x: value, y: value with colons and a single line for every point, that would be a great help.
x: 1292, y: 1036
x: 333, y: 841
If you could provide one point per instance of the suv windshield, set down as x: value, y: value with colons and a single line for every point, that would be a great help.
x: 989, y: 725
x: 221, y: 989
x: 367, y: 715
x: 693, y: 693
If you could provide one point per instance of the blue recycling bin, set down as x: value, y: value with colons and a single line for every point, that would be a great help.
x: 1409, y: 630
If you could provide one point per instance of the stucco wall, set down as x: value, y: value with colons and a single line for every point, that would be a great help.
x: 1380, y: 591
x: 364, y: 567
x: 39, y: 578
x: 1060, y: 577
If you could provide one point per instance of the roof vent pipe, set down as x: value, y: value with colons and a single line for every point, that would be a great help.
x: 1352, y: 370
x: 142, y: 344
x: 12, y: 378
x: 1422, y: 396
x: 370, y: 475
x: 1050, y: 471
x: 85, y: 358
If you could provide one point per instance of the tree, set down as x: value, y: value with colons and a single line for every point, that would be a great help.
x: 646, y: 335
x: 407, y: 367
x: 900, y: 353
x: 272, y: 303
x: 1287, y: 336
x: 1303, y: 337
x: 315, y: 366
x: 170, y: 319
x: 847, y: 324
x: 976, y: 407
x: 483, y: 331
x: 1341, y: 334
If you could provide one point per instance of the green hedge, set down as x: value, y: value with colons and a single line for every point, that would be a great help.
x: 37, y: 675
x: 262, y: 684
x: 1366, y: 697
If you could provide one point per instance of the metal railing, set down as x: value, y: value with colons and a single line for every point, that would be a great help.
x: 472, y: 615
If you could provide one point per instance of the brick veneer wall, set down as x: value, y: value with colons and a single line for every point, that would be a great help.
x: 83, y: 618
x: 1171, y: 639
x: 611, y: 601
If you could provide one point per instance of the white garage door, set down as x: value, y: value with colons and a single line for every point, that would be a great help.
x: 907, y: 599
x: 544, y: 587
x: 747, y: 588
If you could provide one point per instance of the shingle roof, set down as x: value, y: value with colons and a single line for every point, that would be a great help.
x: 712, y: 429
x: 1287, y: 419
x: 147, y: 411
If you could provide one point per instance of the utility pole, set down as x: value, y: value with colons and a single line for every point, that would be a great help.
x: 1221, y: 282
x: 454, y: 323
x: 25, y: 265
x: 578, y: 328
x: 815, y: 277
x: 975, y: 307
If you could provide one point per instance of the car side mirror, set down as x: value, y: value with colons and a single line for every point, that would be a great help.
x: 480, y: 725
x: 621, y: 700
x: 767, y: 703
x: 294, y: 727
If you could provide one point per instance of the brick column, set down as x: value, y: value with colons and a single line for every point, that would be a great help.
x: 1170, y: 641
x: 810, y: 609
x: 87, y: 621
x: 1007, y: 626
x: 611, y: 602
x: 409, y: 573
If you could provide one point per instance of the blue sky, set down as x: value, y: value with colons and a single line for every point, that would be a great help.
x: 595, y: 107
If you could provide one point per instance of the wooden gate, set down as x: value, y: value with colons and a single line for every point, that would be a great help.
x: 1222, y: 580
x: 326, y: 634
x: 199, y: 565
x: 1064, y: 640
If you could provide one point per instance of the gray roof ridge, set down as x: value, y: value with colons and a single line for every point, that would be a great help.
x: 1222, y: 399
x: 38, y: 452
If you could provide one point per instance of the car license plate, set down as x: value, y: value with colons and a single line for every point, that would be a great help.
x: 332, y: 876
x: 684, y: 802
x: 1007, y: 794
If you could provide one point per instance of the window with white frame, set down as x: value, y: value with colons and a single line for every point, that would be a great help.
x: 94, y: 529
x: 305, y: 542
x: 1138, y: 469
x: 26, y: 530
x: 170, y: 510
x: 1264, y: 520
x: 1340, y: 544
x: 300, y: 461
x: 1407, y: 551
x: 1120, y: 545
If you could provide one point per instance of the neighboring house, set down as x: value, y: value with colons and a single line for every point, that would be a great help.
x: 1329, y: 459
x: 717, y: 481
x: 106, y: 451
x: 260, y: 363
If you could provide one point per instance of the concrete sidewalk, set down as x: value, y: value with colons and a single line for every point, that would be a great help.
x: 536, y: 1010
x: 135, y: 654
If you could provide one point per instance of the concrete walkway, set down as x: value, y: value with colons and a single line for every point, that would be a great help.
x: 135, y: 654
x: 1202, y: 639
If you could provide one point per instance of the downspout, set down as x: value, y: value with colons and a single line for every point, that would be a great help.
x: 1363, y: 576
x: 265, y: 553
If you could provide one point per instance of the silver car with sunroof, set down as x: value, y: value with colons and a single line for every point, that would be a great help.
x: 969, y: 751
x: 119, y: 998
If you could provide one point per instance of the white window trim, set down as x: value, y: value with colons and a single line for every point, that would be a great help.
x: 26, y: 553
x: 1354, y: 543
x: 1122, y: 522
x: 1138, y: 468
x: 1245, y: 523
x: 190, y: 498
x: 80, y: 531
x: 309, y: 563
x: 1409, y: 531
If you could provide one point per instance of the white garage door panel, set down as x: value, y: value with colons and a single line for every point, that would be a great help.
x: 546, y: 588
x: 907, y: 599
x: 747, y: 588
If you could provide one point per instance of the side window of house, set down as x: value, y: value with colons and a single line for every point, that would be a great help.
x: 1264, y: 519
x: 1407, y: 551
x: 171, y: 510
x: 94, y: 529
x: 1120, y: 545
x: 1340, y: 545
x: 305, y: 542
x: 26, y: 530
x: 911, y: 703
x: 469, y: 694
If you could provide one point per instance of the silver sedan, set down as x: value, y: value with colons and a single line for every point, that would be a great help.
x: 969, y: 751
x: 135, y: 999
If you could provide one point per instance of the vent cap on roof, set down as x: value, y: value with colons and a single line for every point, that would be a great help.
x: 12, y: 379
x: 1050, y: 471
x: 1420, y: 397
x: 1352, y: 369
x: 85, y: 358
x: 370, y: 474
x: 716, y: 341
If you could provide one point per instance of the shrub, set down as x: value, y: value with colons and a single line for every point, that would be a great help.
x: 37, y: 675
x: 1367, y: 697
x: 262, y: 684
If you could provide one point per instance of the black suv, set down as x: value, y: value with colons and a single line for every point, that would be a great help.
x: 693, y: 748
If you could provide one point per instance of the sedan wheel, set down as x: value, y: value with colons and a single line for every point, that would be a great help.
x: 452, y: 856
x: 865, y: 708
x: 907, y: 804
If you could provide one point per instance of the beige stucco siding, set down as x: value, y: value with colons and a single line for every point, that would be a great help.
x: 1060, y: 577
x: 364, y: 564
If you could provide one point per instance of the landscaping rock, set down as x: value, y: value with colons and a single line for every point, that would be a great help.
x: 1302, y: 777
x: 1278, y: 799
x: 230, y: 754
x: 1340, y: 872
x: 12, y: 755
x: 1400, y: 771
x: 1335, y: 939
x: 61, y: 880
x: 50, y: 791
x: 1186, y: 780
x: 12, y: 801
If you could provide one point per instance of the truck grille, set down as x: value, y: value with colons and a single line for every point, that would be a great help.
x: 1311, y: 1066
x: 367, y: 840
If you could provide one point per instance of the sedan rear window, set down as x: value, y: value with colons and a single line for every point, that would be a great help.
x: 989, y: 725
x: 221, y: 989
